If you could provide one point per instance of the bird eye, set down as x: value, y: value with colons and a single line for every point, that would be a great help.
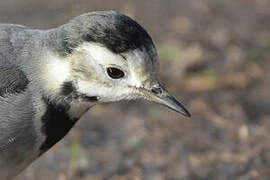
x: 115, y: 73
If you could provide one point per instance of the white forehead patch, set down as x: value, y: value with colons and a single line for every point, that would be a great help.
x: 137, y: 60
x: 102, y: 54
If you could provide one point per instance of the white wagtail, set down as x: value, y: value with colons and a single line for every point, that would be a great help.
x: 50, y: 78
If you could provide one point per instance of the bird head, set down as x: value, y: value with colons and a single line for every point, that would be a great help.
x: 112, y: 58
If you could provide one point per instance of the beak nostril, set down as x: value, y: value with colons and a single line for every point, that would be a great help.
x: 157, y: 90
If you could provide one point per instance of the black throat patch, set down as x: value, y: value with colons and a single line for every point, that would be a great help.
x: 56, y: 120
x: 56, y: 123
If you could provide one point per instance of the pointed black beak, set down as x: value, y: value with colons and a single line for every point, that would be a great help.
x: 161, y: 96
x: 174, y: 104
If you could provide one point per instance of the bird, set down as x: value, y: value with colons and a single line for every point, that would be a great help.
x: 50, y: 78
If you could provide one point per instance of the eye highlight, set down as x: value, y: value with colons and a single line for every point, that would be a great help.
x: 115, y: 73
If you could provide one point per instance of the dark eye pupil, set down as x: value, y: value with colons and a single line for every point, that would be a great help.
x: 115, y: 73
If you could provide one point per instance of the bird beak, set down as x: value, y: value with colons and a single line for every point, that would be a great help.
x: 161, y: 96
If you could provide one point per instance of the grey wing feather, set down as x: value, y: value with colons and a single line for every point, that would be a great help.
x: 12, y: 79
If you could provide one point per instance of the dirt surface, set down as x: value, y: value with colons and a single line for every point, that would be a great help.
x: 214, y: 57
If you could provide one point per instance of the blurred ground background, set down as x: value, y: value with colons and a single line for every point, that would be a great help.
x: 214, y: 57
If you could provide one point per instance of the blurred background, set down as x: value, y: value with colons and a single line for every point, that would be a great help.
x: 214, y: 57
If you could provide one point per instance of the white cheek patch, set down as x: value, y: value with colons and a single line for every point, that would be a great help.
x: 136, y: 65
x: 93, y: 89
x: 106, y: 93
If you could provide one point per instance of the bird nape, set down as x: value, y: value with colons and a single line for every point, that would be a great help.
x: 50, y: 78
